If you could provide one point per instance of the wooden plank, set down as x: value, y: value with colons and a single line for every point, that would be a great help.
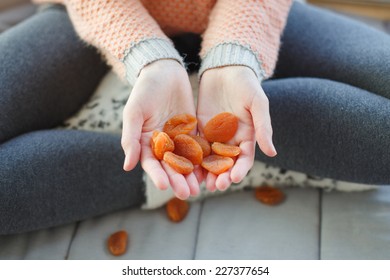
x: 356, y: 225
x: 4, y: 4
x: 237, y: 226
x: 48, y: 244
x: 151, y: 235
x: 377, y: 11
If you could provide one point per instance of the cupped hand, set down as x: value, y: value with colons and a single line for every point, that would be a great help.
x: 161, y: 91
x: 237, y: 90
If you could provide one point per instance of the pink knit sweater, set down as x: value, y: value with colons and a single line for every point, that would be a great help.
x: 133, y: 33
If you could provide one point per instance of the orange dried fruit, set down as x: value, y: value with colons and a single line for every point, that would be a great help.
x: 225, y: 149
x: 221, y: 128
x: 161, y: 143
x: 178, y: 163
x: 269, y: 195
x: 180, y: 124
x: 204, y: 144
x: 217, y: 164
x: 117, y: 243
x: 189, y: 148
x: 177, y: 209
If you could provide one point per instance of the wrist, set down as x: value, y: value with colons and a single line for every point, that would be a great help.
x: 231, y: 54
x: 146, y: 52
x: 162, y: 65
x: 230, y: 72
x: 162, y: 70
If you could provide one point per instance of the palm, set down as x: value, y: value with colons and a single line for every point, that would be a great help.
x: 156, y: 97
x: 235, y: 91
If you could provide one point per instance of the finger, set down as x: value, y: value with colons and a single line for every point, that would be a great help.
x: 131, y: 135
x: 178, y: 182
x: 153, y: 167
x: 244, y: 162
x: 210, y: 181
x: 199, y: 174
x: 223, y: 181
x: 193, y: 184
x: 262, y: 124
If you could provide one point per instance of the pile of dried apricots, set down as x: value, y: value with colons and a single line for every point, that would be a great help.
x: 182, y: 151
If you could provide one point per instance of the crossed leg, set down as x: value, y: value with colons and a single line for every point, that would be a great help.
x: 329, y: 98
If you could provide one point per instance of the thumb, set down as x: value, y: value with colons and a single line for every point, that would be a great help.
x: 131, y: 137
x: 262, y: 124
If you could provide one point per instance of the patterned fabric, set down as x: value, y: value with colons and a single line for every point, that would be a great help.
x: 114, y: 27
x: 261, y: 174
x: 103, y: 111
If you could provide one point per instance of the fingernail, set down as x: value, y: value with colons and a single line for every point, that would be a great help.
x: 126, y: 162
x: 274, y: 151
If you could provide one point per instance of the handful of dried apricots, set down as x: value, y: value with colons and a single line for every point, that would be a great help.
x: 182, y: 151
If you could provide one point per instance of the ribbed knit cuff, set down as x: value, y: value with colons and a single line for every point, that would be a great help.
x: 232, y: 54
x: 146, y: 52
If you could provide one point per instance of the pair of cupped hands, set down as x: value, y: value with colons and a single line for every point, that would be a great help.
x: 163, y: 90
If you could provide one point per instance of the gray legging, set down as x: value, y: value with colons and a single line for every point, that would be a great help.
x: 328, y: 100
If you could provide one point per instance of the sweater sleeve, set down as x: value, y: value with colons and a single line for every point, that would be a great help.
x: 122, y: 31
x: 244, y: 32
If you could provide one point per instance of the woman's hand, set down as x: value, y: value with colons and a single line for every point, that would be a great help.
x: 237, y: 90
x: 161, y: 91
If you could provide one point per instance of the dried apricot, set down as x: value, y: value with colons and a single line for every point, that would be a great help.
x: 117, y: 243
x: 225, y: 149
x: 217, y: 164
x: 180, y: 124
x: 187, y: 147
x: 221, y: 128
x: 178, y: 163
x: 161, y: 143
x: 269, y: 195
x: 204, y: 144
x: 177, y: 209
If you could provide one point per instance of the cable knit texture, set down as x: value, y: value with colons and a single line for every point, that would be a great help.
x: 257, y: 25
x: 115, y: 27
